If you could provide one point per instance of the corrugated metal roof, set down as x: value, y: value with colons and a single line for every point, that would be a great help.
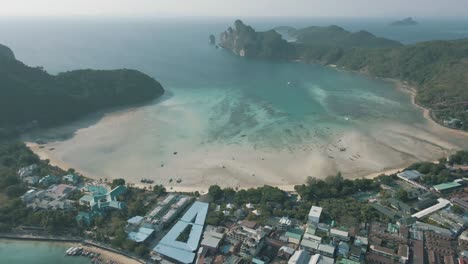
x: 142, y: 234
x: 183, y: 251
x: 442, y: 203
x: 196, y: 214
x: 446, y: 186
x: 136, y: 220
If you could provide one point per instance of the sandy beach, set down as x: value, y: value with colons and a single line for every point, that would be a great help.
x: 111, y: 256
x: 183, y: 155
x: 384, y: 150
x: 106, y: 255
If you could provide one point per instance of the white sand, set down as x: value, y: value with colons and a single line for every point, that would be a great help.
x: 116, y: 147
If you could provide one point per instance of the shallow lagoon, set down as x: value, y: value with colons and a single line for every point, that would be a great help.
x: 232, y: 121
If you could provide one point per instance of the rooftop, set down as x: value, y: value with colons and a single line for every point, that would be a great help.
x: 299, y: 256
x: 446, y: 186
x: 293, y: 235
x: 285, y: 221
x: 310, y: 243
x: 338, y: 232
x: 184, y: 251
x: 287, y: 250
x: 315, y: 211
x: 410, y: 174
x: 326, y: 248
x: 196, y: 214
x: 136, y: 220
x: 105, y: 200
x: 249, y: 224
x: 142, y: 234
x: 441, y: 204
x: 211, y: 241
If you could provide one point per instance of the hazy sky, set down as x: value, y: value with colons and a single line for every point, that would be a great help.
x: 343, y: 8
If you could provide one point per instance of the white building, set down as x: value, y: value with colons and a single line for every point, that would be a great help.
x: 314, y: 214
x: 284, y: 223
x: 299, y: 257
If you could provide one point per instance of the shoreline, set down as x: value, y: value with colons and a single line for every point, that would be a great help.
x: 243, y: 182
x: 412, y: 92
x: 190, y: 189
x: 106, y: 254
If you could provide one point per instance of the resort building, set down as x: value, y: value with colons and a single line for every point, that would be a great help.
x: 48, y: 180
x: 339, y: 234
x: 213, y: 237
x: 248, y: 236
x: 142, y: 235
x: 134, y: 222
x: 31, y: 180
x: 180, y: 250
x: 86, y: 218
x: 410, y: 176
x: 54, y: 198
x: 446, y: 187
x: 284, y: 223
x: 310, y: 246
x: 27, y: 171
x: 441, y: 204
x: 327, y: 250
x: 460, y: 202
x: 314, y: 215
x: 299, y: 257
x: 294, y: 235
x: 71, y: 179
x: 104, y: 201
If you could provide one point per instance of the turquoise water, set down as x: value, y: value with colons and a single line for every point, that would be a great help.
x: 219, y: 107
x: 22, y: 252
x: 268, y: 122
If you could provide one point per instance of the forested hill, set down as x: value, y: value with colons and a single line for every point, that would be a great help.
x: 438, y: 69
x: 30, y: 95
x: 6, y: 53
x: 338, y: 37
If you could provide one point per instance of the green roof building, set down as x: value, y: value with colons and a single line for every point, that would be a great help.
x: 447, y: 186
x: 104, y: 201
x: 293, y: 236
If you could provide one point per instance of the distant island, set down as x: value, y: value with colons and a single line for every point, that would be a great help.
x: 404, y: 22
x: 212, y: 39
x: 246, y: 42
x: 436, y: 68
x: 30, y: 97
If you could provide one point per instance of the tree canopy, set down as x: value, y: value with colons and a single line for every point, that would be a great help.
x: 30, y: 96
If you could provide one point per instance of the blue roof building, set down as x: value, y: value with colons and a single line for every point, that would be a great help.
x: 184, y: 252
x: 142, y: 235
